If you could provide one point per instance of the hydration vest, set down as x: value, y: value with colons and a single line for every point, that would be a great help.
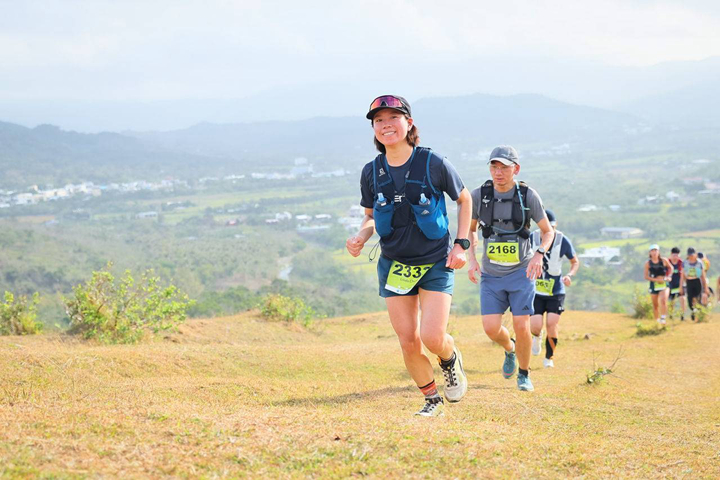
x: 520, y: 213
x: 431, y: 216
x: 554, y: 262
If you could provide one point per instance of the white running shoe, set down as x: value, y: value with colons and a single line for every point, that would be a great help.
x: 432, y: 409
x: 548, y: 363
x: 662, y: 321
x: 536, y: 344
x: 456, y: 383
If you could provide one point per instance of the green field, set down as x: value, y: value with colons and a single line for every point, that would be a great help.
x: 241, y: 397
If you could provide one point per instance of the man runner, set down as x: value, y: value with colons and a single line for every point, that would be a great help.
x: 550, y: 290
x: 502, y: 209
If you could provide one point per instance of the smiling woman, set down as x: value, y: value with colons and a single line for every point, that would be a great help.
x: 403, y: 193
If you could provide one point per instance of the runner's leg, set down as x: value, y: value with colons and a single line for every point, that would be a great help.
x: 654, y: 298
x: 536, y: 324
x: 435, y: 310
x: 521, y: 324
x: 662, y: 302
x: 403, y: 311
x: 553, y: 329
x: 492, y: 324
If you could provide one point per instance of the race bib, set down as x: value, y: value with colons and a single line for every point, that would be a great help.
x: 659, y: 286
x: 544, y: 287
x: 691, y: 273
x: 402, y: 278
x: 503, y: 253
x: 675, y: 291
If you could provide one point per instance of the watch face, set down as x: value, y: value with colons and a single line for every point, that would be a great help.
x: 463, y: 242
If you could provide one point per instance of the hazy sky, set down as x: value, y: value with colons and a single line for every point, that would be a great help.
x: 164, y: 50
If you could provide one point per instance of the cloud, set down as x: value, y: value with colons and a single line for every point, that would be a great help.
x: 168, y: 49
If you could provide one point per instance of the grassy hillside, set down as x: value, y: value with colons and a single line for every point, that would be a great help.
x: 239, y: 396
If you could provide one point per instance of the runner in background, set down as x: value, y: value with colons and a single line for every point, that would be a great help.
x: 658, y: 272
x: 676, y: 286
x: 695, y: 280
x: 706, y: 265
x: 550, y: 290
x: 403, y: 192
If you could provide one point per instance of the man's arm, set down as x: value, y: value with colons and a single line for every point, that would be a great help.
x: 534, y: 269
x: 574, y: 265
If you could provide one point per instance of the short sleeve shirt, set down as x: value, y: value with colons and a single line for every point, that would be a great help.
x: 408, y: 244
x: 503, y: 210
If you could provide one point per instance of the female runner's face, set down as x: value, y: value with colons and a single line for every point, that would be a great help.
x: 654, y: 254
x: 391, y: 126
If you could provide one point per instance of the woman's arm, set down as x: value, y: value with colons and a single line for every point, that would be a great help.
x: 474, y: 265
x: 457, y: 258
x: 647, y: 272
x: 356, y: 243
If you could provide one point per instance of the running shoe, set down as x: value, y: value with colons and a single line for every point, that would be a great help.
x: 548, y: 363
x: 509, y: 365
x: 662, y: 321
x: 536, y: 345
x: 524, y: 383
x: 432, y: 409
x: 456, y: 383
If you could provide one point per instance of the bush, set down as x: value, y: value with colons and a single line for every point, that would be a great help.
x: 642, y: 305
x: 654, y: 329
x: 278, y: 307
x: 17, y: 315
x: 702, y: 313
x: 123, y: 312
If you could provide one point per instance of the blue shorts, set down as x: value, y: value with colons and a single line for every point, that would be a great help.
x: 438, y: 279
x: 515, y: 291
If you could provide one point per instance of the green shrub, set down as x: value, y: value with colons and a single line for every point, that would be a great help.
x: 702, y: 313
x: 278, y: 307
x: 18, y: 314
x: 642, y: 305
x: 123, y: 311
x: 617, y: 307
x: 653, y: 329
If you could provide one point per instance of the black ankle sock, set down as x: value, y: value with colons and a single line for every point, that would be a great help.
x: 549, y: 349
x: 523, y: 372
x: 449, y: 362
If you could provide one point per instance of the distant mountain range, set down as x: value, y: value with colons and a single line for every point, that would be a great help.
x: 618, y: 88
x: 451, y: 125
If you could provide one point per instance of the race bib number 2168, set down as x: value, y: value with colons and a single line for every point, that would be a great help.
x: 503, y: 253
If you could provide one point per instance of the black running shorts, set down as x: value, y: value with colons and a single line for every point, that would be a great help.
x: 546, y: 304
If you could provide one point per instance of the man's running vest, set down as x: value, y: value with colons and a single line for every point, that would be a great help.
x: 520, y: 212
x: 554, y: 262
x: 430, y: 216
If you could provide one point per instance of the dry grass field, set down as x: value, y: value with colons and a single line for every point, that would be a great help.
x: 241, y: 397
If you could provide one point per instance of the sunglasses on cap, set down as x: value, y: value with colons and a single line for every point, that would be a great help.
x: 388, y: 101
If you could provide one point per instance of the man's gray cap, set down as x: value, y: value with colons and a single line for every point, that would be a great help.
x: 504, y: 154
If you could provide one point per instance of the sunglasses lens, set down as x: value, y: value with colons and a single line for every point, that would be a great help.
x: 386, y: 101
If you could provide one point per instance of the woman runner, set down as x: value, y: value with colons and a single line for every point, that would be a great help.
x: 403, y: 193
x: 658, y: 271
x: 697, y: 288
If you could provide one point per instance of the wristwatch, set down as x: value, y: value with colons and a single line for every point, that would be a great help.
x: 463, y: 242
x: 540, y: 250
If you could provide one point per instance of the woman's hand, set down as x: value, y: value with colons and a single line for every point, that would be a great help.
x: 457, y: 258
x: 355, y: 245
x: 567, y: 280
